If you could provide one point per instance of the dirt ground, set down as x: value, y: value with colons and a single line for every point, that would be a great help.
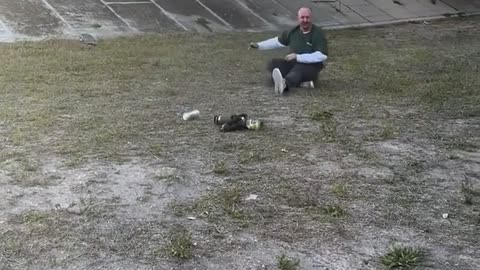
x: 99, y: 171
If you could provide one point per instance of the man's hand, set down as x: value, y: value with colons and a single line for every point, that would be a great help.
x: 291, y: 57
x: 253, y: 45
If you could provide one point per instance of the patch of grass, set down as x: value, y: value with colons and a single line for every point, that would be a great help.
x: 12, y: 245
x: 340, y: 190
x: 286, y: 263
x: 462, y: 144
x: 468, y: 193
x: 335, y: 211
x: 11, y: 155
x: 328, y: 123
x: 74, y: 160
x: 301, y: 199
x: 330, y: 130
x: 453, y: 81
x: 321, y: 115
x: 292, y: 197
x: 251, y: 156
x: 291, y: 193
x: 402, y: 257
x: 180, y: 244
x: 81, y: 119
x: 144, y: 199
x: 157, y: 150
x: 27, y: 172
x: 217, y: 205
x: 230, y: 200
x: 388, y: 131
x: 467, y: 199
x: 33, y: 216
x: 415, y: 166
x: 31, y: 165
x: 228, y: 147
x: 88, y: 208
x: 391, y: 83
x: 358, y: 149
x: 168, y: 175
x: 171, y: 180
x: 220, y: 168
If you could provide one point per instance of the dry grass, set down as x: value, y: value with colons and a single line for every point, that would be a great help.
x: 393, y: 105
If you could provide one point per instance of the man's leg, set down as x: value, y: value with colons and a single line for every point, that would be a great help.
x: 302, y: 73
x: 278, y: 69
x: 283, y: 65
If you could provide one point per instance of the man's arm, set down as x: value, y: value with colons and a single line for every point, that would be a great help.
x: 272, y: 43
x: 320, y: 49
x: 280, y: 41
x: 309, y: 58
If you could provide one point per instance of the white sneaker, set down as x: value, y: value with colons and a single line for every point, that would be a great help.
x: 279, y: 81
x: 308, y: 84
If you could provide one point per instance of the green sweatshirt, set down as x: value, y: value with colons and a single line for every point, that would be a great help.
x: 301, y: 43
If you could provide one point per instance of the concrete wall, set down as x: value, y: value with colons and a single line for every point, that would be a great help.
x: 37, y: 19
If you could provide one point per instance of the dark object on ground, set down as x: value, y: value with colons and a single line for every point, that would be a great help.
x: 88, y: 39
x: 397, y: 2
x: 222, y: 119
x: 236, y: 122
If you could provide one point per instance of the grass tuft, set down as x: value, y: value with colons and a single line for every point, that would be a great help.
x: 321, y: 115
x: 180, y: 244
x: 286, y: 263
x: 220, y: 168
x: 335, y: 211
x: 340, y: 190
x: 402, y: 257
x: 33, y: 217
x: 216, y: 206
x: 468, y: 193
x: 388, y: 132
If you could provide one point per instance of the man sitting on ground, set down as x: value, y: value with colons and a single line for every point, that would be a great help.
x: 308, y: 51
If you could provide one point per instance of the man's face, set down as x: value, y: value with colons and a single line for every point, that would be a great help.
x: 305, y: 19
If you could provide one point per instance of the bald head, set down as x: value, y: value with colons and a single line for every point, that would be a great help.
x: 305, y: 19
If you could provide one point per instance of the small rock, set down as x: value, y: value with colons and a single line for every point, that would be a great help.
x: 445, y: 215
x: 284, y: 150
x: 191, y: 218
x: 251, y: 197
